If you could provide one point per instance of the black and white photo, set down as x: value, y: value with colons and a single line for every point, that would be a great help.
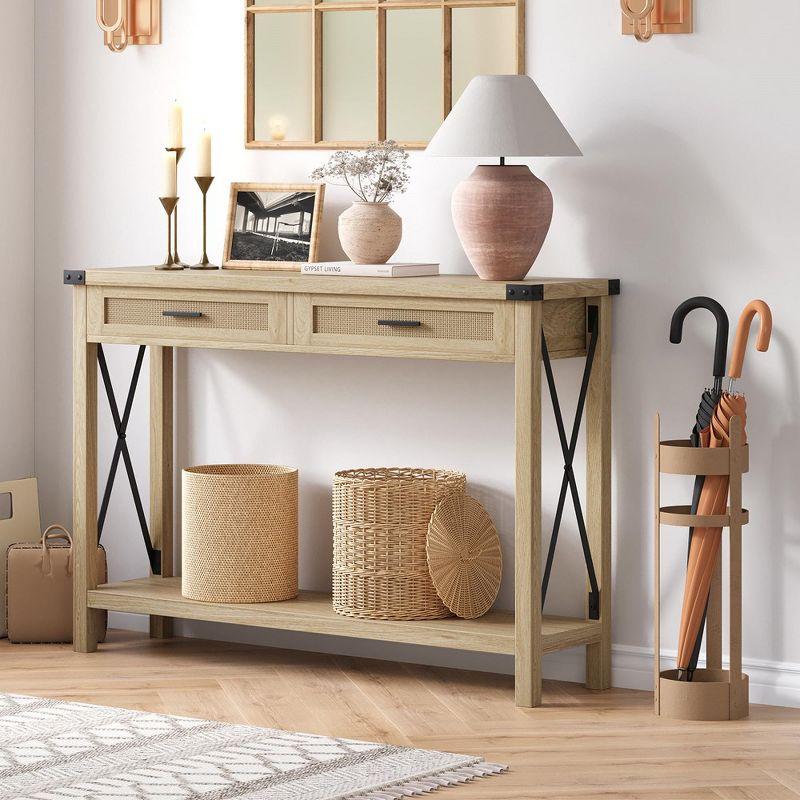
x: 273, y: 226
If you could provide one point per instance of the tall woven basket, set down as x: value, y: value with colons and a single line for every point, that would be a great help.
x: 380, y: 525
x: 240, y: 533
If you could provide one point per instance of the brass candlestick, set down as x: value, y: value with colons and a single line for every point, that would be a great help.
x: 205, y: 184
x: 179, y: 151
x: 170, y: 206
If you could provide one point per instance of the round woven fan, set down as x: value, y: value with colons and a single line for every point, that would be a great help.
x: 464, y: 556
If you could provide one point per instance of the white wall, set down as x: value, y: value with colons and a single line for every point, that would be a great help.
x: 16, y: 240
x: 688, y: 186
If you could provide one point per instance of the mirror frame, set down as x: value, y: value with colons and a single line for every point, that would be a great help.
x: 318, y: 8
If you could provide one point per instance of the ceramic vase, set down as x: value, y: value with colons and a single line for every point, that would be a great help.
x: 502, y: 215
x: 370, y: 233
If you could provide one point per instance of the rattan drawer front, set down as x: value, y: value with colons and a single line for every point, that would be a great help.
x: 461, y: 327
x: 187, y: 314
x: 473, y: 326
x: 207, y: 316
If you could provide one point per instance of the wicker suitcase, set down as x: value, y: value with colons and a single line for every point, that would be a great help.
x: 39, y: 589
x: 19, y: 522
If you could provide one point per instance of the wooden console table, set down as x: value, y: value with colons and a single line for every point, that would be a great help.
x: 447, y: 317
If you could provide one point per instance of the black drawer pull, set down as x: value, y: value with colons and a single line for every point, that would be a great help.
x: 400, y: 323
x: 183, y: 314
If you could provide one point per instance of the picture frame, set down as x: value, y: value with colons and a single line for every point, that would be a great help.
x: 273, y: 226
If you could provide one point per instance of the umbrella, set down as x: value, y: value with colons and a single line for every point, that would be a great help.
x: 710, y: 398
x: 705, y: 544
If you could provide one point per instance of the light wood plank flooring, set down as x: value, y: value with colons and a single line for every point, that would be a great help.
x: 581, y: 744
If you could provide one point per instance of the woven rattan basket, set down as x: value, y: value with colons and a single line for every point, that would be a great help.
x: 240, y: 533
x: 380, y: 525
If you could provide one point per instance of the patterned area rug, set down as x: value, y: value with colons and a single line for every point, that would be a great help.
x: 51, y: 750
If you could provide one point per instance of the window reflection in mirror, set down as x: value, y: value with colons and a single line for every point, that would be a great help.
x: 349, y: 70
x: 283, y: 95
x: 482, y: 44
x: 414, y: 68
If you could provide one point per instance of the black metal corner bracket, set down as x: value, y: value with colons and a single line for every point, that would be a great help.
x: 121, y: 450
x: 568, y: 450
x: 524, y: 291
x: 614, y: 287
x: 74, y: 277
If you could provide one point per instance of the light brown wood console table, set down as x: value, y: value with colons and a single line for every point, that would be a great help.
x: 448, y: 317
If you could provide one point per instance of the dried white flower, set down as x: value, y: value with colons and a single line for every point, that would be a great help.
x: 375, y: 176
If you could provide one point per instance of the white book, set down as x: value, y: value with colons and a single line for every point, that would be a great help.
x: 350, y: 270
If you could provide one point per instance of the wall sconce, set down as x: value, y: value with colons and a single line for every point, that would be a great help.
x: 643, y: 18
x: 125, y: 22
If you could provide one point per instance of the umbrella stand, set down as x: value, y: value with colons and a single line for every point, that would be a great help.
x: 705, y: 543
x: 714, y: 693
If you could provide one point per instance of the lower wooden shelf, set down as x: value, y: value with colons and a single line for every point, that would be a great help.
x: 312, y: 612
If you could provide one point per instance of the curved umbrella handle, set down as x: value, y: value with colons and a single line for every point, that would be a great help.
x: 753, y: 308
x: 721, y: 346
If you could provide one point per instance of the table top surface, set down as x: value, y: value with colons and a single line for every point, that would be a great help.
x: 453, y: 286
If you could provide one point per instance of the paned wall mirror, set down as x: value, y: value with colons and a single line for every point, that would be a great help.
x: 343, y: 73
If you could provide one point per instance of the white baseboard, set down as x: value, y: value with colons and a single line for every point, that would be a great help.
x: 772, y: 683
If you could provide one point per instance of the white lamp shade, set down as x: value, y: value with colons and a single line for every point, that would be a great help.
x: 502, y: 115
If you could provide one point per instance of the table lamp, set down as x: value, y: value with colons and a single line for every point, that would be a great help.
x: 502, y: 213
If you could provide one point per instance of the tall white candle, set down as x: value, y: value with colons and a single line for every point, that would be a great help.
x: 175, y: 127
x: 204, y: 156
x: 169, y: 180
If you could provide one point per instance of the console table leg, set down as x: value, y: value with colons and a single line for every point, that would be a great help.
x: 84, y: 486
x: 161, y: 470
x: 598, y: 492
x: 528, y: 505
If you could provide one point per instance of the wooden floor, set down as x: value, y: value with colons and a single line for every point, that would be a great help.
x: 579, y: 745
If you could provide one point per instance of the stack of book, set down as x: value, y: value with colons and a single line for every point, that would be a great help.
x: 349, y: 269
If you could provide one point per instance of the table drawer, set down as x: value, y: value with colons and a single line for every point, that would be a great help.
x: 452, y: 327
x: 256, y: 317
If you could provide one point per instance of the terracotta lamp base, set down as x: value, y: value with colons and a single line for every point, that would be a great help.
x: 502, y: 215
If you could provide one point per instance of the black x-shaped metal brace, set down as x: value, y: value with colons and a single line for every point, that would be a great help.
x: 568, y: 449
x: 121, y: 450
